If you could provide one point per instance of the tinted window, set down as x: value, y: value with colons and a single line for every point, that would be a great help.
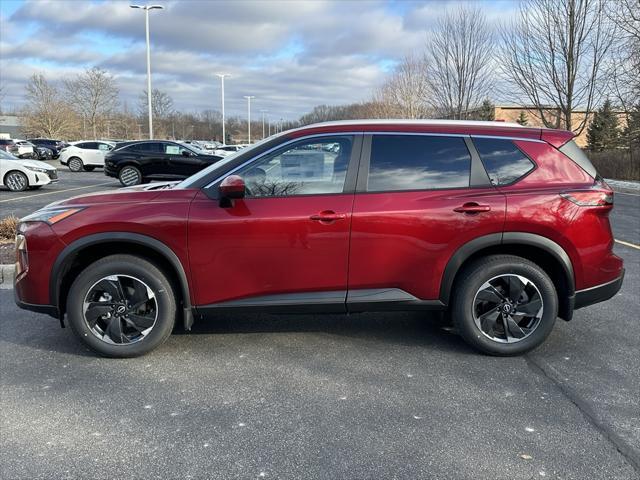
x: 149, y: 147
x: 418, y: 162
x: 313, y: 166
x: 504, y: 162
x: 87, y: 145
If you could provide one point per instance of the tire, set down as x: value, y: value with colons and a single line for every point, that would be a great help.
x: 16, y: 181
x: 504, y: 305
x: 113, y: 329
x: 75, y: 164
x: 89, y: 168
x: 36, y: 187
x: 130, y: 176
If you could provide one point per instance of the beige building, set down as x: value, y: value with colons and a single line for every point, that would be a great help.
x: 509, y: 113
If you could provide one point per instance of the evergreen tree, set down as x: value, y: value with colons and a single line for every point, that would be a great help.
x: 631, y: 134
x: 487, y: 111
x: 523, y: 119
x: 603, y: 133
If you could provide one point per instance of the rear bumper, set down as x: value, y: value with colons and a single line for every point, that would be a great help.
x: 599, y: 293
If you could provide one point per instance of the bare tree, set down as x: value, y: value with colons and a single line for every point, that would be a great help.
x: 94, y: 95
x: 161, y: 104
x: 624, y: 69
x: 554, y: 54
x: 405, y: 94
x: 459, y: 62
x: 46, y: 114
x: 161, y: 109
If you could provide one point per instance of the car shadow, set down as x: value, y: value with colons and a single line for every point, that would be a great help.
x: 429, y: 329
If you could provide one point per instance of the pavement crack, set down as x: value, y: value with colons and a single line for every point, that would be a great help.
x: 621, y: 445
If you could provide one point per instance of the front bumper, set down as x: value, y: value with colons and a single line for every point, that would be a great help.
x: 599, y: 293
x: 51, y: 310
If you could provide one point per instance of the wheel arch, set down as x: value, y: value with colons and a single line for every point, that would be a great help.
x: 77, y: 255
x: 30, y: 180
x: 546, y: 253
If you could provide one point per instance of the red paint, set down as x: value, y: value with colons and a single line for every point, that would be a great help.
x: 263, y: 246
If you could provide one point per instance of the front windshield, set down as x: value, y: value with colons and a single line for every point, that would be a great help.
x: 188, y: 182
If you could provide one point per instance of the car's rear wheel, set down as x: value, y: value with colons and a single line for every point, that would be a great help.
x: 16, y: 181
x: 504, y: 305
x: 129, y: 176
x: 89, y: 168
x: 122, y: 306
x: 75, y: 164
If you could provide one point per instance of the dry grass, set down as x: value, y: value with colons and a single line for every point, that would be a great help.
x: 617, y: 164
x: 8, y: 228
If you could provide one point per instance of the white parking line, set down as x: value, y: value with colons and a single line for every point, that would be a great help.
x: 56, y: 191
x: 632, y: 245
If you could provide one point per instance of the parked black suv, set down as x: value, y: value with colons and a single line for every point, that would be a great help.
x: 138, y: 162
x: 54, y: 145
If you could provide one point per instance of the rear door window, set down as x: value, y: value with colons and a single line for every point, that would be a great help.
x: 418, y: 162
x: 149, y: 147
x: 503, y: 160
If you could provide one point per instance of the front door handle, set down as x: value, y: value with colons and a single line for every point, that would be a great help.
x: 328, y: 216
x: 472, y: 207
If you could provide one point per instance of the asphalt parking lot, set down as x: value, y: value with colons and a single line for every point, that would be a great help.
x: 363, y: 396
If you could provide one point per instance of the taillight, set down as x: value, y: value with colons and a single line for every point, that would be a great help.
x: 590, y: 198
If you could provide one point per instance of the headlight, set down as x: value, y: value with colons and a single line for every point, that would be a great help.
x: 51, y: 216
x: 36, y: 169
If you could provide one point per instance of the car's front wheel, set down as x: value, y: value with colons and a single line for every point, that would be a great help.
x: 75, y: 164
x: 16, y: 181
x: 122, y: 306
x: 504, y: 305
x: 130, y: 176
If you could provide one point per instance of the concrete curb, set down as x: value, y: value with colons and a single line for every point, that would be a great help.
x: 6, y: 276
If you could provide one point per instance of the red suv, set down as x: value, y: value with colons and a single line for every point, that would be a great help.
x: 505, y: 226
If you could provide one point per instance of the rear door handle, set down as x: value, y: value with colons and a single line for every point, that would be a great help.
x: 328, y: 216
x: 472, y: 207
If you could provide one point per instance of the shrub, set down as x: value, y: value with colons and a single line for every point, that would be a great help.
x: 617, y: 164
x: 8, y: 228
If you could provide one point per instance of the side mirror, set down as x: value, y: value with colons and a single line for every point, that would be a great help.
x: 233, y: 187
x: 186, y: 153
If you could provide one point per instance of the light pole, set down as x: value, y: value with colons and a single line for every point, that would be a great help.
x: 263, y: 112
x: 249, y: 97
x: 146, y: 9
x: 222, y: 75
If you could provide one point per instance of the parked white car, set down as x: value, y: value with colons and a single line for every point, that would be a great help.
x: 18, y: 174
x: 25, y: 149
x: 85, y: 155
x: 225, y: 150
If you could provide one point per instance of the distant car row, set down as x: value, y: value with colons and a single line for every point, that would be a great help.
x: 35, y: 148
x: 131, y: 162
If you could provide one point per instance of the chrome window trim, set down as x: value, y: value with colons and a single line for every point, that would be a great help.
x: 367, y: 132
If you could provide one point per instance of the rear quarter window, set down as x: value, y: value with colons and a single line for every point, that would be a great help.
x: 503, y: 160
x: 573, y: 151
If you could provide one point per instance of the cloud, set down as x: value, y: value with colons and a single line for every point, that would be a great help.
x: 292, y: 55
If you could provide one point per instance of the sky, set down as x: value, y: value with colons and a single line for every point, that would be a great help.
x: 291, y: 55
